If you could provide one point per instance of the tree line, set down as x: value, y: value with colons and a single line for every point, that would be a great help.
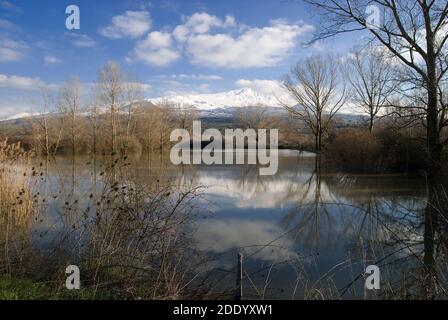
x: 107, y: 117
x: 398, y: 81
x: 404, y: 70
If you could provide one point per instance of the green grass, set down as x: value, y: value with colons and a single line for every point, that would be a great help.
x: 21, y: 289
x: 18, y: 289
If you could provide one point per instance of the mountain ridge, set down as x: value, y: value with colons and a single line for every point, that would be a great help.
x: 218, y: 104
x: 245, y: 97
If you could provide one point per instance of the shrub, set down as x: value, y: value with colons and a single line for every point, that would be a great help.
x: 356, y: 150
x: 402, y: 151
x: 385, y: 149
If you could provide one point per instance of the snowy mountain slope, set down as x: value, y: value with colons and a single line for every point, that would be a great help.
x: 235, y: 98
x: 219, y: 105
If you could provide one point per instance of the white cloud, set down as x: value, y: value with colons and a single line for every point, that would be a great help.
x: 51, y: 60
x: 157, y: 57
x: 254, y: 47
x: 200, y: 23
x: 210, y: 77
x: 223, y: 235
x: 10, y: 110
x: 157, y: 39
x: 14, y: 105
x: 168, y: 86
x: 131, y: 24
x: 262, y: 86
x: 240, y: 47
x: 9, y: 55
x: 81, y: 40
x: 145, y: 87
x: 18, y: 82
x: 12, y: 50
x: 156, y: 49
x: 204, y: 87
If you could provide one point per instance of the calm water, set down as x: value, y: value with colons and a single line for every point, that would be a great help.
x: 302, y: 233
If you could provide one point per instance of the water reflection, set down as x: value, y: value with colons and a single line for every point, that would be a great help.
x: 304, y: 233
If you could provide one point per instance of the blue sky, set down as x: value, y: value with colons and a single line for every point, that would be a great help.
x: 173, y: 46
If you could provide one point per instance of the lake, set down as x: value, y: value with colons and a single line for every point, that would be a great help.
x: 303, y: 233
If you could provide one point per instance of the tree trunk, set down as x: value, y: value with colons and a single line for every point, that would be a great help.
x: 433, y: 139
x: 47, y: 139
x: 434, y: 147
x: 113, y: 128
x: 94, y: 138
x: 73, y: 134
x: 128, y: 134
x: 320, y: 141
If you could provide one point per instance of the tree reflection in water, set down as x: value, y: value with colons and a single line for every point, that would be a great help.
x: 305, y: 232
x: 405, y: 238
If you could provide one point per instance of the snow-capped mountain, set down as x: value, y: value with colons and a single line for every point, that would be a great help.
x: 235, y: 98
x: 22, y: 115
x: 222, y: 104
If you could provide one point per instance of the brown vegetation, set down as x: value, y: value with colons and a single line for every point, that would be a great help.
x: 131, y: 240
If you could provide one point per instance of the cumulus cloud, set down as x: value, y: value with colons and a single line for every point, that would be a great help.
x: 254, y: 47
x: 156, y: 49
x: 200, y: 23
x: 81, y: 40
x: 217, y: 42
x: 18, y: 82
x: 12, y: 50
x: 157, y: 39
x: 132, y: 24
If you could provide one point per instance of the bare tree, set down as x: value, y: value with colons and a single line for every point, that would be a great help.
x: 93, y: 116
x: 415, y: 32
x: 315, y: 86
x: 254, y: 117
x: 61, y: 118
x: 145, y: 126
x: 371, y: 77
x: 185, y: 115
x: 110, y: 86
x: 154, y: 123
x: 43, y: 121
x: 133, y: 94
x: 71, y: 96
x: 163, y: 120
